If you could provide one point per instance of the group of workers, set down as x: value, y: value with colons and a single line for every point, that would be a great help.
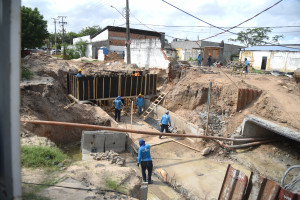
x: 209, y: 59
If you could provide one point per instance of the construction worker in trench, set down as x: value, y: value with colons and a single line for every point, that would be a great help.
x: 140, y: 104
x: 199, y: 59
x: 79, y: 73
x: 144, y: 158
x: 118, y: 103
x: 165, y: 120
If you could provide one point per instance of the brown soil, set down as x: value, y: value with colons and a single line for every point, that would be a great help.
x: 279, y: 101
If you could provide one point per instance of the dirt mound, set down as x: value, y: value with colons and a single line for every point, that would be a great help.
x: 188, y: 95
x: 44, y: 98
x: 113, y: 56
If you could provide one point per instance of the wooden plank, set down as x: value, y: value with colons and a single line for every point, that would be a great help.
x: 125, y: 85
x: 103, y: 88
x: 130, y: 85
x: 109, y: 86
x: 77, y: 89
x: 141, y: 85
x: 145, y: 92
x: 120, y: 84
x: 137, y: 83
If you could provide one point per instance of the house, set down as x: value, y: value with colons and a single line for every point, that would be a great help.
x: 114, y: 39
x: 272, y: 58
x: 187, y: 50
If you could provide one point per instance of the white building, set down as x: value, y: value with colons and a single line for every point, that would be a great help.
x: 272, y: 58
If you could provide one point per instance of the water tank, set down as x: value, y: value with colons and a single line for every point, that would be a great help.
x: 104, y: 50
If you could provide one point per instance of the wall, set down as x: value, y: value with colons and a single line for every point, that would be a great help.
x: 148, y: 53
x: 177, y: 121
x: 277, y: 60
x: 89, y: 51
x: 86, y: 38
x: 102, y: 36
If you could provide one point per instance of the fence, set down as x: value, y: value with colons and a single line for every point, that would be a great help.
x: 108, y: 87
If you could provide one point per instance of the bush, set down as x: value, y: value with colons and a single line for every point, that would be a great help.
x: 26, y: 73
x: 38, y: 156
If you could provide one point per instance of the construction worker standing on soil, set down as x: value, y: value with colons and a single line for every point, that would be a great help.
x: 209, y: 60
x: 144, y: 158
x: 79, y: 73
x: 246, y: 65
x: 140, y: 104
x: 118, y: 103
x: 199, y: 59
x: 165, y: 120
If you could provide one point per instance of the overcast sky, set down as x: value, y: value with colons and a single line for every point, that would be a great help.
x: 225, y: 13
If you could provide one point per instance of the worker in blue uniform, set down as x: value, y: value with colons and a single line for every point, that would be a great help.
x: 118, y: 103
x: 164, y: 122
x: 144, y: 158
x: 79, y: 73
x: 140, y: 104
x: 199, y: 59
x: 246, y: 65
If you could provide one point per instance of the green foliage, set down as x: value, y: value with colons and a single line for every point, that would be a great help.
x: 32, y: 196
x: 234, y: 57
x: 81, y: 47
x: 191, y: 59
x: 256, y: 71
x: 38, y: 156
x: 256, y: 36
x: 90, y: 30
x: 34, y: 28
x: 111, y: 184
x: 26, y: 73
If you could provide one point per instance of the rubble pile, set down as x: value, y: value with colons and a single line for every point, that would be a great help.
x: 111, y: 156
x: 112, y: 56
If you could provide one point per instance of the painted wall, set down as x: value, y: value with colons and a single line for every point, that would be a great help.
x: 276, y: 60
x: 88, y: 51
x: 102, y: 36
x: 83, y: 38
x: 148, y: 53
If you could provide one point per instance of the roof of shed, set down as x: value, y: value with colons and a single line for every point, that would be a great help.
x: 269, y: 48
x: 132, y: 30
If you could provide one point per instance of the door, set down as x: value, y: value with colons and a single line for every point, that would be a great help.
x: 264, y: 62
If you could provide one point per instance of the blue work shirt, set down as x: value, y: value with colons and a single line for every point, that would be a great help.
x: 117, y: 103
x: 165, y: 119
x: 144, y: 153
x: 140, y: 102
x: 79, y: 75
x: 246, y: 63
x: 199, y: 57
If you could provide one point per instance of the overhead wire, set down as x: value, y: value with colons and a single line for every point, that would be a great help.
x: 269, y: 43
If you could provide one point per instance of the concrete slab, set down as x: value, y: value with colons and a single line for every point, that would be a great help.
x: 115, y: 141
x: 92, y: 141
x: 254, y: 126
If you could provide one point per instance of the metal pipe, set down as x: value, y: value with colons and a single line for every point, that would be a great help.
x: 244, y: 145
x: 95, y: 127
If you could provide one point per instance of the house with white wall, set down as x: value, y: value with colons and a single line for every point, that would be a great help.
x: 272, y: 58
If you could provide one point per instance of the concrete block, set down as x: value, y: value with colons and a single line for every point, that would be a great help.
x: 144, y: 191
x: 92, y: 141
x: 115, y: 142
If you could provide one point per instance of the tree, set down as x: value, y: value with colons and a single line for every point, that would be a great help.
x: 89, y: 31
x: 34, y: 28
x: 256, y: 36
x: 69, y: 37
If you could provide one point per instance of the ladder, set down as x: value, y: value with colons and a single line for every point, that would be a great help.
x: 153, y: 104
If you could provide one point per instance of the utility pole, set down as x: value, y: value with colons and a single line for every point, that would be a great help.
x: 54, y: 20
x: 63, y: 27
x: 128, y: 33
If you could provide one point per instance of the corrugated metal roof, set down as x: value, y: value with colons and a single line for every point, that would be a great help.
x: 269, y: 48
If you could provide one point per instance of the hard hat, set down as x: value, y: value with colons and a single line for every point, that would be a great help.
x: 79, y: 70
x: 140, y: 94
x: 167, y: 112
x: 209, y: 54
x: 119, y: 98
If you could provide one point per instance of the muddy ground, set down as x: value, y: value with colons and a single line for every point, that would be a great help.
x: 44, y: 98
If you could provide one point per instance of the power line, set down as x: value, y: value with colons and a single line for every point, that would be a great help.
x: 269, y: 43
x: 243, y: 27
x: 245, y: 20
x: 63, y: 26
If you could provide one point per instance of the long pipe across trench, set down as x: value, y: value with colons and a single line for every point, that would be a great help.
x: 95, y: 127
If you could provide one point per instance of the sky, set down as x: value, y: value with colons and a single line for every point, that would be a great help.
x: 220, y: 13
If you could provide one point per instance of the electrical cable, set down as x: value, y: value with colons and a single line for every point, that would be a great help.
x: 269, y: 43
x: 74, y: 188
x: 244, y: 21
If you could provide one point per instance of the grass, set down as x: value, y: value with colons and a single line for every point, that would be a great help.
x: 26, y: 73
x: 30, y: 195
x: 111, y: 184
x: 38, y: 156
x: 256, y: 71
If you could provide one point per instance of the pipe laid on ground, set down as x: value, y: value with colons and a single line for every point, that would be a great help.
x: 95, y: 127
x: 185, y: 145
x: 244, y: 145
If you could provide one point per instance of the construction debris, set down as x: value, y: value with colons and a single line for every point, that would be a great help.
x: 111, y: 156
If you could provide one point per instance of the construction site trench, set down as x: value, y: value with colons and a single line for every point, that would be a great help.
x: 258, y: 106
